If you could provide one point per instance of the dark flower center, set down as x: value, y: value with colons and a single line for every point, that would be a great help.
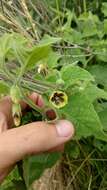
x: 58, y: 98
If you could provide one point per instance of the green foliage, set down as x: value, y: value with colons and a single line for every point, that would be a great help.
x: 72, y: 150
x: 96, y: 71
x: 9, y: 182
x: 81, y: 111
x: 68, y: 55
x: 37, y: 54
x: 35, y: 165
x: 74, y: 74
x: 104, y: 8
x: 4, y: 88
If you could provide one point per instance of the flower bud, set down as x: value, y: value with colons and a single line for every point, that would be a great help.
x: 60, y: 82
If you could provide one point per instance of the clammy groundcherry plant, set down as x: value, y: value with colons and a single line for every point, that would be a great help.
x: 68, y: 90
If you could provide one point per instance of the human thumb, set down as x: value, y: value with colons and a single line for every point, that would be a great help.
x: 33, y: 138
x: 47, y: 136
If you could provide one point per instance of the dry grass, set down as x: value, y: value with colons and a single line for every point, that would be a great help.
x: 52, y: 179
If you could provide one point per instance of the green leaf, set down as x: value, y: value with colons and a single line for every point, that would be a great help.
x: 53, y: 76
x: 72, y: 74
x: 19, y: 185
x: 7, y: 41
x: 102, y: 146
x: 101, y: 54
x: 5, y: 44
x: 104, y: 8
x: 81, y: 112
x: 100, y: 49
x: 48, y: 40
x: 52, y: 59
x: 38, y: 53
x: 72, y: 36
x: 103, y: 118
x: 72, y: 150
x: 41, y: 51
x: 4, y: 88
x: 89, y: 28
x: 8, y: 182
x: 93, y: 92
x: 20, y: 52
x: 4, y: 47
x: 74, y: 56
x: 100, y: 73
x: 34, y: 166
x: 88, y: 24
x: 105, y: 26
x: 15, y: 185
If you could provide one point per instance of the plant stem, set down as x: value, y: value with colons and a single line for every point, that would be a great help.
x: 84, y: 6
x: 31, y: 103
x: 20, y: 171
x: 58, y: 10
x: 39, y: 84
x: 31, y: 89
x: 2, y: 6
x: 22, y: 70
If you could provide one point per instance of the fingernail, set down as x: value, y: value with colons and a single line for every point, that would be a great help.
x: 64, y: 128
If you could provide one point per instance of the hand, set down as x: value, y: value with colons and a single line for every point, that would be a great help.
x: 29, y: 139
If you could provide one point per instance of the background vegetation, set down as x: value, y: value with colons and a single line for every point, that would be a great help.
x: 82, y: 26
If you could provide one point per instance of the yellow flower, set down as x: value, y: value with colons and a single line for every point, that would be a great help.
x: 16, y: 113
x: 58, y: 99
x: 17, y: 120
x: 42, y: 69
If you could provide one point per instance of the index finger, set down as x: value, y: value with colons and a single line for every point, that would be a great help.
x: 6, y: 106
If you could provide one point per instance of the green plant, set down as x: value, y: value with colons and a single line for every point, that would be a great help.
x: 72, y: 65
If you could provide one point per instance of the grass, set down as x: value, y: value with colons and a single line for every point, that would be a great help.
x: 75, y: 174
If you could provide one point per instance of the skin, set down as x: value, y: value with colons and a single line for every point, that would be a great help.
x: 33, y: 138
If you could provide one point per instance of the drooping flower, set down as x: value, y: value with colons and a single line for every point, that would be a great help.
x: 58, y: 99
x: 16, y: 113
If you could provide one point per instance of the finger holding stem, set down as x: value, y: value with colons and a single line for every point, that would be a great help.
x: 6, y: 106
